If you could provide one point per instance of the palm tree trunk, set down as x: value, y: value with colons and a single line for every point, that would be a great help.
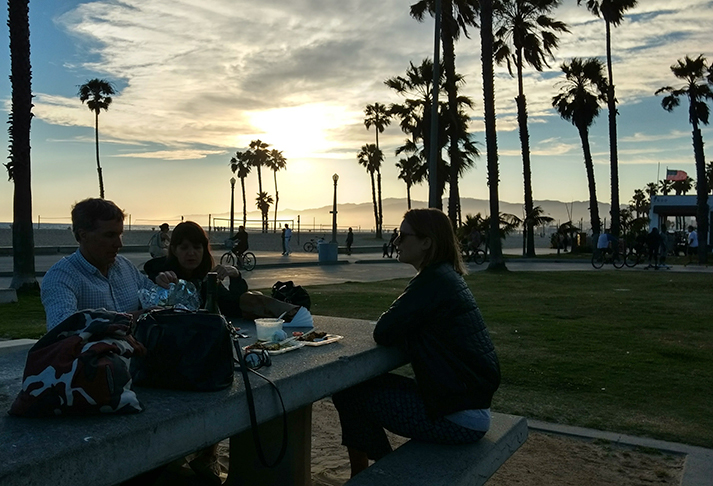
x: 491, y: 140
x: 589, y: 165
x: 378, y: 179
x: 613, y: 155
x: 19, y: 168
x: 259, y: 179
x: 526, y: 166
x: 702, y: 211
x: 449, y: 62
x: 277, y: 199
x: 245, y: 206
x: 373, y: 197
x: 99, y: 167
x: 380, y: 216
x: 408, y: 195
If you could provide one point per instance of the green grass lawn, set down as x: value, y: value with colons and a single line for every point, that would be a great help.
x: 630, y: 352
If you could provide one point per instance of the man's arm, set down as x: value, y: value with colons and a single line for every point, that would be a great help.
x: 59, y: 297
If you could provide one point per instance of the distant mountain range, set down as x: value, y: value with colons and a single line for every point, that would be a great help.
x: 361, y: 215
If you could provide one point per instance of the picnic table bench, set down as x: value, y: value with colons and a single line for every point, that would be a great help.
x: 108, y: 449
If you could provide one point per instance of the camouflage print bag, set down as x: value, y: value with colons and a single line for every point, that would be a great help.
x: 81, y: 367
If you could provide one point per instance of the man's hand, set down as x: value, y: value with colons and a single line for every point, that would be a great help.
x: 164, y: 279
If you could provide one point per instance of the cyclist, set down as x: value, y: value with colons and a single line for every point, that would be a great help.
x: 241, y: 242
x: 605, y: 243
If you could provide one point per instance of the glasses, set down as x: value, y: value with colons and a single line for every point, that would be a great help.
x: 257, y: 358
x: 402, y: 234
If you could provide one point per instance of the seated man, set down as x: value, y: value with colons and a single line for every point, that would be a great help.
x: 94, y: 276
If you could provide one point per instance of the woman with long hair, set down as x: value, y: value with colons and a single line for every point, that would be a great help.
x: 438, y: 325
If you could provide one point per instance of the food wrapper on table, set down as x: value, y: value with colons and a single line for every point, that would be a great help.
x: 182, y: 294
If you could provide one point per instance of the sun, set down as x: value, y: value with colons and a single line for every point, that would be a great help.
x: 300, y: 131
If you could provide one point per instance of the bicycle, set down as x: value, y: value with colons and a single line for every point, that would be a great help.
x: 599, y: 258
x: 477, y: 256
x: 311, y: 246
x: 246, y: 261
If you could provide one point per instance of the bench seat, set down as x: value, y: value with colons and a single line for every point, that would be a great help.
x: 432, y: 464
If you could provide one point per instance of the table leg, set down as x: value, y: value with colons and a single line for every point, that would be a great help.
x: 294, y: 469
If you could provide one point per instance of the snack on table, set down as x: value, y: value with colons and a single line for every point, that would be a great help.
x: 313, y: 336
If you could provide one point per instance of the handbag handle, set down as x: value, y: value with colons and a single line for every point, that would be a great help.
x: 251, y: 407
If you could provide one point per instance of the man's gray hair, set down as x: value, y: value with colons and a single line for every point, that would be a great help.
x: 86, y: 214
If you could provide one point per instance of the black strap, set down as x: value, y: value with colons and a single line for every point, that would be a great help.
x: 253, y: 415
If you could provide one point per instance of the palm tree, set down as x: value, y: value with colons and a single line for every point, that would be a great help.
x: 665, y: 186
x: 412, y: 171
x: 263, y: 202
x: 97, y: 93
x: 371, y: 158
x: 258, y: 158
x: 491, y: 137
x: 526, y: 34
x: 240, y: 165
x: 457, y: 16
x: 709, y: 176
x: 380, y: 117
x: 579, y: 102
x: 534, y: 218
x: 18, y: 168
x: 651, y: 189
x: 640, y: 203
x: 276, y: 161
x: 696, y: 74
x: 612, y: 11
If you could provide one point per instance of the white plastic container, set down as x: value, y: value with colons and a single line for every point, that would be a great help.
x: 266, y: 327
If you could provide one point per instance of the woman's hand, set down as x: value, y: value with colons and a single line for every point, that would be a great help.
x: 164, y: 279
x: 226, y: 271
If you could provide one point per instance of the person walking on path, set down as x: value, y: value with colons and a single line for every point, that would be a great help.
x: 692, y: 241
x: 350, y: 240
x: 287, y: 238
x: 282, y: 240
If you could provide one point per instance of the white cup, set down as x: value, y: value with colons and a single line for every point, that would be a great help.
x: 266, y: 327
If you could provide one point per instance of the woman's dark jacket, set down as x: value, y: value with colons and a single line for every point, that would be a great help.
x: 228, y: 299
x: 437, y: 323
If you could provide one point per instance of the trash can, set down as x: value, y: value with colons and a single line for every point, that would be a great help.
x: 327, y: 252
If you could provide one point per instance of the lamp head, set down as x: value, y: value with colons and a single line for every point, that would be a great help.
x: 232, y: 181
x: 335, y: 178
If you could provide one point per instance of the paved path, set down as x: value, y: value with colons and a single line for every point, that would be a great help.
x: 304, y: 268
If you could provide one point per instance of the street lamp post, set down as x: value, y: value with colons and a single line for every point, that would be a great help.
x: 335, y: 178
x: 232, y: 205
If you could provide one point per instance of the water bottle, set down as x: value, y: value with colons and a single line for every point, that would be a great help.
x: 211, y: 299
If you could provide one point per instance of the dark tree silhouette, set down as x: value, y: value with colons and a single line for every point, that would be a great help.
x: 97, y: 93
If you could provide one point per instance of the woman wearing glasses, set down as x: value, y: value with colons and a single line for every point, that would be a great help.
x: 437, y: 323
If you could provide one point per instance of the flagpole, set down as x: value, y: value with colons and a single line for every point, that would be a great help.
x: 658, y: 172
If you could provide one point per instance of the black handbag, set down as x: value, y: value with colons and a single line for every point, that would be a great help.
x: 291, y: 293
x: 186, y: 350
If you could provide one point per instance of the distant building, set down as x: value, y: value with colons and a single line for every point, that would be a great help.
x: 664, y: 206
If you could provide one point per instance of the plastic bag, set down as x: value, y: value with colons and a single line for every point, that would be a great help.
x: 183, y: 294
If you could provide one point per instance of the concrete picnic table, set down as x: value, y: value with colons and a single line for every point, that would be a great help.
x: 108, y: 449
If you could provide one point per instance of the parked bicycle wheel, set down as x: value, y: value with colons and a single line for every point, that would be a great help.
x: 249, y: 260
x: 309, y: 247
x: 632, y: 258
x: 598, y: 259
x: 478, y: 257
x: 618, y: 260
x: 228, y: 258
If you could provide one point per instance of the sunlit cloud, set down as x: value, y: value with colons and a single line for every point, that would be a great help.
x: 187, y: 154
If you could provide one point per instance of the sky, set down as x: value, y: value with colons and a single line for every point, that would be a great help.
x: 198, y: 80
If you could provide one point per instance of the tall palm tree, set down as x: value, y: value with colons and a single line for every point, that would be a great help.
x: 584, y: 88
x: 276, y: 161
x: 97, y: 93
x: 666, y: 186
x: 612, y: 11
x: 526, y: 34
x: 258, y: 158
x: 491, y: 137
x: 18, y: 168
x: 709, y: 176
x: 380, y: 117
x: 457, y: 16
x: 263, y: 202
x: 371, y: 157
x: 696, y: 76
x: 240, y: 165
